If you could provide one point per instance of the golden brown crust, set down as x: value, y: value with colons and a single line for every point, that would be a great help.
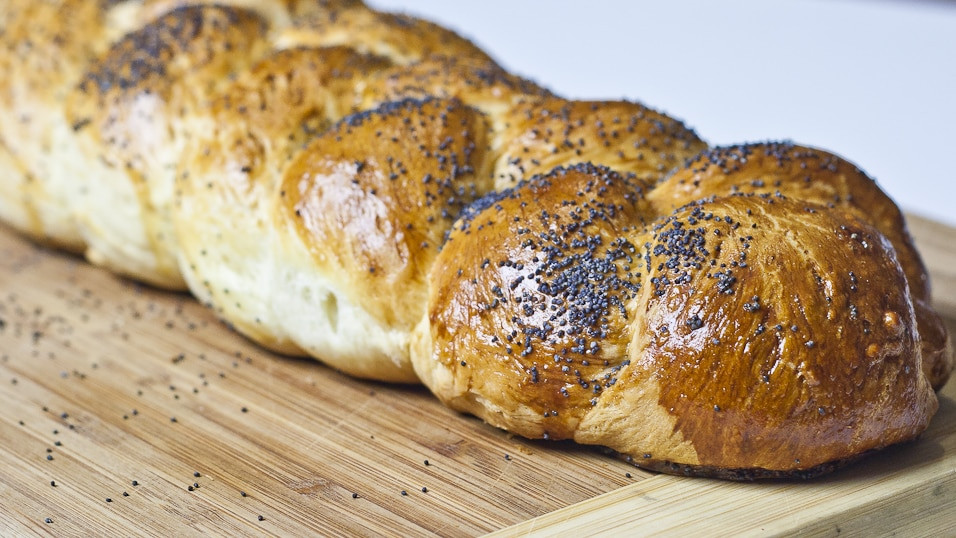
x: 935, y: 342
x: 276, y: 11
x: 133, y: 110
x: 541, y: 134
x: 819, y: 177
x: 373, y: 197
x: 796, y: 172
x: 128, y: 111
x: 401, y: 38
x: 476, y: 82
x: 526, y: 306
x: 758, y: 326
x: 751, y: 331
x: 280, y: 104
x: 174, y: 47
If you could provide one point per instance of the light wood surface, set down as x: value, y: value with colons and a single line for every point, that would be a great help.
x: 103, y: 382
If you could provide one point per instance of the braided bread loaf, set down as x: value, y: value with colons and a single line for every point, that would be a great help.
x: 373, y: 190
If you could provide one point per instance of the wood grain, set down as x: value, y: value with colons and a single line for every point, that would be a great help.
x: 105, y: 366
x: 116, y: 382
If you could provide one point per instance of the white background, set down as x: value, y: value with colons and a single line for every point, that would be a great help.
x: 874, y: 81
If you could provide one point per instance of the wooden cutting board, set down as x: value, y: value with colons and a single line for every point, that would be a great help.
x: 129, y: 411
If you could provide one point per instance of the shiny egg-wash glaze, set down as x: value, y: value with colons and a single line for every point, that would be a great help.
x: 629, y: 137
x: 816, y: 176
x: 543, y: 289
x: 302, y: 165
x: 732, y: 337
x: 365, y: 208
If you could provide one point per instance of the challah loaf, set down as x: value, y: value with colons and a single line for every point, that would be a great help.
x: 732, y: 336
x: 373, y: 190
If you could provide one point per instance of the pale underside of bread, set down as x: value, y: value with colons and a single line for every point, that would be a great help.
x: 227, y: 178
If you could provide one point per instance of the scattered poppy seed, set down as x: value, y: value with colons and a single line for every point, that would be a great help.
x: 404, y: 493
x: 135, y: 482
x: 260, y: 518
x: 172, y: 419
x: 245, y: 409
x: 196, y: 474
x: 355, y: 495
x: 424, y: 489
x: 109, y: 499
x: 49, y: 520
x: 53, y: 483
x: 426, y: 462
x: 57, y: 443
x: 242, y: 493
x: 125, y: 494
x: 627, y: 475
x: 189, y: 488
x: 49, y: 457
